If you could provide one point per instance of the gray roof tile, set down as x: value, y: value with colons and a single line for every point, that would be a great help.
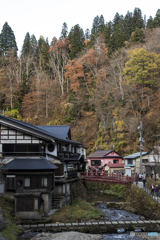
x: 29, y: 164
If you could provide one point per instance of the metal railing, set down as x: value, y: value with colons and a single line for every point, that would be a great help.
x: 155, y: 197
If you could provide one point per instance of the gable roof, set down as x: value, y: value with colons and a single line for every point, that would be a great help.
x: 60, y: 130
x: 29, y: 164
x: 35, y: 130
x: 135, y: 155
x: 102, y: 154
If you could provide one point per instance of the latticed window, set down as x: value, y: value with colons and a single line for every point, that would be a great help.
x: 44, y: 182
x: 27, y: 182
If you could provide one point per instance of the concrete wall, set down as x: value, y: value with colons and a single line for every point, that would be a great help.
x: 28, y: 215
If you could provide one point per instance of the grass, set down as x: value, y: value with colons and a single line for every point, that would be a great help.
x: 12, y: 232
x: 143, y: 203
x: 7, y: 206
x: 81, y: 210
x: 120, y: 191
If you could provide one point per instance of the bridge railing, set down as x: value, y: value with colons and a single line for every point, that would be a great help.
x: 106, y: 176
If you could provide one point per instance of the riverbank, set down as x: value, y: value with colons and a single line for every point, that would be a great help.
x: 83, y: 208
x: 67, y: 236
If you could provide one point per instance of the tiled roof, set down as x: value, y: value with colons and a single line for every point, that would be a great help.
x: 36, y: 129
x: 61, y: 131
x: 116, y: 165
x: 100, y: 153
x: 29, y: 164
x: 135, y: 155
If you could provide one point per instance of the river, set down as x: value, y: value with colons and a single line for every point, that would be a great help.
x: 110, y: 215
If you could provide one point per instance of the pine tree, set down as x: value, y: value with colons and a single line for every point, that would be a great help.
x: 150, y: 22
x: 118, y: 36
x: 138, y: 36
x: 137, y: 19
x: 26, y: 49
x: 76, y: 37
x: 101, y: 26
x: 128, y: 22
x: 157, y: 19
x: 43, y: 52
x: 34, y: 45
x: 108, y: 31
x: 95, y: 26
x: 7, y: 40
x: 87, y: 34
x: 64, y: 32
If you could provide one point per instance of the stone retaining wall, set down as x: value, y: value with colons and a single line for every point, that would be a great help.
x: 96, y: 227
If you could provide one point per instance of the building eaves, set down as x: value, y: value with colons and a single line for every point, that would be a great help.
x: 135, y: 155
x: 29, y: 164
x: 32, y: 129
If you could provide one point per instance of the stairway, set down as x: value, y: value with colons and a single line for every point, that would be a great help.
x: 58, y: 201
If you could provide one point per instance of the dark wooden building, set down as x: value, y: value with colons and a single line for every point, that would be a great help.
x: 24, y: 142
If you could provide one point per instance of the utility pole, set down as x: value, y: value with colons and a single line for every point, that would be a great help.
x: 140, y: 141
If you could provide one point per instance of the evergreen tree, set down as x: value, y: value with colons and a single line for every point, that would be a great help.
x: 33, y: 45
x: 150, y: 22
x: 128, y: 22
x: 138, y: 36
x: 64, y: 32
x: 7, y: 40
x: 157, y: 19
x: 76, y: 37
x: 87, y: 34
x: 108, y: 31
x: 95, y: 26
x: 118, y: 36
x: 137, y: 19
x: 101, y: 26
x: 43, y: 52
x: 26, y: 49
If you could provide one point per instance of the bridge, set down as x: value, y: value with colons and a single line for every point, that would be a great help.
x: 106, y: 178
x: 101, y: 226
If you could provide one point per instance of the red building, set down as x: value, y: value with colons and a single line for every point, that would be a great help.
x: 104, y: 157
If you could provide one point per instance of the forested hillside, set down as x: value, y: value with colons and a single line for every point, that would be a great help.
x: 102, y: 82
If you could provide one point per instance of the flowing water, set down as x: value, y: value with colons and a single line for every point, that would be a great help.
x: 111, y: 214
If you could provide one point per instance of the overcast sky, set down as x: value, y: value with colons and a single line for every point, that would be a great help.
x: 47, y: 17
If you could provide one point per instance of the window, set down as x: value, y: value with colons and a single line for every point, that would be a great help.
x: 95, y: 162
x: 21, y: 149
x: 115, y: 161
x: 144, y: 160
x: 44, y: 182
x: 70, y: 148
x: 11, y: 182
x: 130, y: 161
x: 36, y: 204
x: 27, y: 182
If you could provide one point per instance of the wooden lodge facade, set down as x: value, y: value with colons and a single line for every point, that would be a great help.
x: 37, y: 164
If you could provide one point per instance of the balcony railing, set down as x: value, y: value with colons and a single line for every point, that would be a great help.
x: 5, y: 154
